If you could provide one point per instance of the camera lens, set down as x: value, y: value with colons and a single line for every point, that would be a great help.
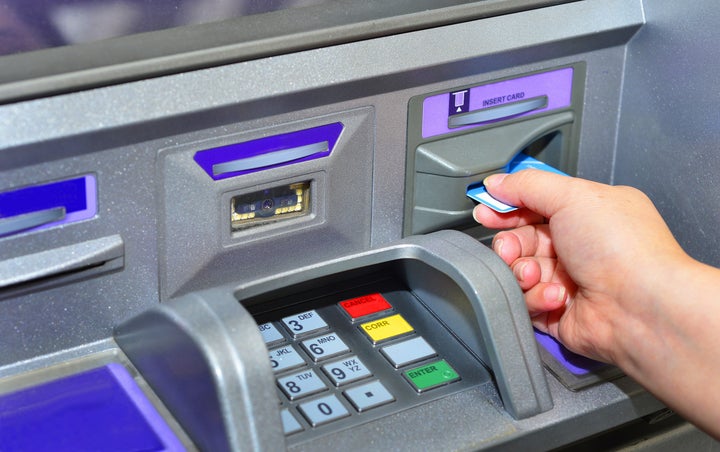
x: 268, y: 204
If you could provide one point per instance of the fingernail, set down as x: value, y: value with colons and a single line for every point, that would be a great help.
x: 518, y: 271
x: 497, y: 246
x: 555, y: 293
x: 493, y: 180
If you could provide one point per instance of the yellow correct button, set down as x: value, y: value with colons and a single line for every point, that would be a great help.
x: 386, y: 328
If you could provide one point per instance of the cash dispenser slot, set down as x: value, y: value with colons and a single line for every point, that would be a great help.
x: 206, y: 355
x: 61, y: 265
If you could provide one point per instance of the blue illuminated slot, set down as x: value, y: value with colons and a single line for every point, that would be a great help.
x: 269, y: 152
x: 99, y: 409
x: 47, y: 205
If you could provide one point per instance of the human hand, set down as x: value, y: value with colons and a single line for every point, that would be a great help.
x: 603, y: 274
x: 587, y: 255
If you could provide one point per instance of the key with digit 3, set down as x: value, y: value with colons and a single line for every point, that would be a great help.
x: 522, y: 161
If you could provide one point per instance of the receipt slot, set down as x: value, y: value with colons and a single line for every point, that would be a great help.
x: 345, y: 345
x: 460, y: 136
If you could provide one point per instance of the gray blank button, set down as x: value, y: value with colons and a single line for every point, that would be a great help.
x: 409, y: 351
x: 369, y: 395
x: 323, y: 410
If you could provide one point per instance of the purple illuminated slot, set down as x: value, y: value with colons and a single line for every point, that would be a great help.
x: 100, y: 409
x: 269, y: 152
x: 555, y: 87
x: 576, y: 364
x: 47, y: 205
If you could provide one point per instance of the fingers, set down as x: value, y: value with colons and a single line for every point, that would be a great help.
x: 495, y: 220
x: 538, y: 194
x: 546, y: 287
x: 524, y: 241
x: 540, y: 191
x: 545, y: 297
x: 530, y: 271
x: 549, y: 322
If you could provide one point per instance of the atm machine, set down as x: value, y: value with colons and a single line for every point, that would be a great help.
x: 243, y: 225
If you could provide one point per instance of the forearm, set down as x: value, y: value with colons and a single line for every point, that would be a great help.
x: 672, y: 344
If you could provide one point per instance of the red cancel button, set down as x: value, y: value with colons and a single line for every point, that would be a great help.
x: 365, y: 305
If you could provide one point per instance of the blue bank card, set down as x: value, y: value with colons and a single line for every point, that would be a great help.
x: 520, y: 162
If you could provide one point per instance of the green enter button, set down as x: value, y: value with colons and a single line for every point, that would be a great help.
x: 431, y: 375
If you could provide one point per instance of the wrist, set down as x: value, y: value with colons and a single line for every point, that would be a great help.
x: 653, y: 304
x: 664, y: 325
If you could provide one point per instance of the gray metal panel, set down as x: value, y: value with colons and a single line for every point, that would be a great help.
x: 47, y: 315
x: 195, y: 210
x: 431, y: 56
x: 668, y: 142
x: 192, y: 47
x: 61, y: 265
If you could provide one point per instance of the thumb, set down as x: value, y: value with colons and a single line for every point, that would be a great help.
x: 540, y: 191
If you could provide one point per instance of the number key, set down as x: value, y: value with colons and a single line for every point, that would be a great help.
x: 285, y: 358
x: 346, y: 370
x: 304, y: 323
x: 270, y: 334
x: 324, y: 347
x: 323, y: 410
x: 301, y: 384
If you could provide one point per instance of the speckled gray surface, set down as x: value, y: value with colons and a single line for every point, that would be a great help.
x: 669, y: 139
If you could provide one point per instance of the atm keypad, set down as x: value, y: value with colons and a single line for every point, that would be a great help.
x: 348, y: 359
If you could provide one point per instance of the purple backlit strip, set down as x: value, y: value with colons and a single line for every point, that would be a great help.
x: 158, y: 424
x: 45, y: 196
x: 210, y: 157
x: 576, y: 364
x: 98, y: 409
x: 90, y: 203
x: 90, y: 206
x: 556, y: 85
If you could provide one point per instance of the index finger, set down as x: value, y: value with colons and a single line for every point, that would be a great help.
x: 541, y: 192
x: 496, y: 220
